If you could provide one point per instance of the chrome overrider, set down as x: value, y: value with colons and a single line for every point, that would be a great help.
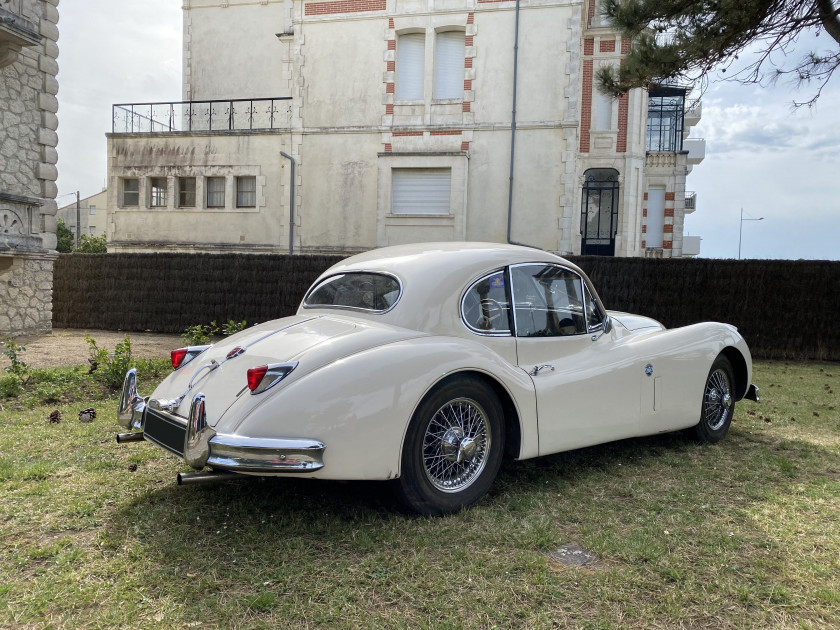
x: 204, y: 447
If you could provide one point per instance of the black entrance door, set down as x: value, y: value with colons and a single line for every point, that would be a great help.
x: 599, y: 212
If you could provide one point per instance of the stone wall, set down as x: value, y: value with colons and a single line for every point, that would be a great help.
x: 28, y: 158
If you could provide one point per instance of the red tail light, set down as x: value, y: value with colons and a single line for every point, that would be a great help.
x: 178, y: 357
x: 255, y: 376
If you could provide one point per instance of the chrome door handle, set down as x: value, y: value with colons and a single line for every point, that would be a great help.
x: 539, y: 368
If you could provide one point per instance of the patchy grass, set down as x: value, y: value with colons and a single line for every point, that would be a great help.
x: 737, y: 535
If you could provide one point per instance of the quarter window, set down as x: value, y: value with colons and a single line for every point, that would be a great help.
x: 215, y: 192
x: 366, y: 291
x: 246, y: 192
x: 186, y: 192
x: 485, y: 307
x: 547, y: 301
x: 130, y: 191
x: 594, y: 316
x: 158, y: 192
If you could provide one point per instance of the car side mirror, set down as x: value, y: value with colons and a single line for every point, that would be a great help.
x: 607, y: 323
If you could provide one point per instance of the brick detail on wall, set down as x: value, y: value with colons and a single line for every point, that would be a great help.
x: 343, y: 6
x: 586, y: 106
x: 625, y: 46
x: 465, y: 146
x: 668, y: 228
x: 592, y: 4
x: 390, y: 66
x: 607, y: 46
x: 669, y: 196
x: 621, y: 140
x: 667, y: 245
x: 388, y: 147
x: 669, y: 212
x: 444, y: 132
x: 466, y: 107
x: 392, y: 44
x: 589, y: 46
x: 467, y: 84
x: 408, y: 133
x: 389, y: 88
x: 644, y: 244
x: 391, y: 23
x: 389, y: 109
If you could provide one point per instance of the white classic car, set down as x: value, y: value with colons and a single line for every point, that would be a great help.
x: 425, y: 365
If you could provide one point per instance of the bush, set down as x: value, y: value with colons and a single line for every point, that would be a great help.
x: 111, y: 368
x: 10, y: 385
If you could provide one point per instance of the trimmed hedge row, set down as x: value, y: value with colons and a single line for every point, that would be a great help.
x: 781, y: 307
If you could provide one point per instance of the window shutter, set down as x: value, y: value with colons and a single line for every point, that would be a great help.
x: 655, y: 217
x: 410, y: 64
x: 420, y: 190
x: 449, y: 65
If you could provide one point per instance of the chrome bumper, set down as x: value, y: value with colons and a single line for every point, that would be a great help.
x: 752, y: 393
x: 199, y: 444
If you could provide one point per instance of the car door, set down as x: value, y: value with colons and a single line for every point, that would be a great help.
x: 587, y: 382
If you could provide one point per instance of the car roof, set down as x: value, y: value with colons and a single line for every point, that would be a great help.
x: 434, y: 276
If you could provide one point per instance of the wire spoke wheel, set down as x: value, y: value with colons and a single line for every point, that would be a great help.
x: 717, y: 400
x: 455, y: 445
x: 718, y: 404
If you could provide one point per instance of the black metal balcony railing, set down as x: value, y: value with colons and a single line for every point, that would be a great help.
x: 217, y: 115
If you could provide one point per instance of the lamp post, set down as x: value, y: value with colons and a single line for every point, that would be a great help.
x: 741, y: 230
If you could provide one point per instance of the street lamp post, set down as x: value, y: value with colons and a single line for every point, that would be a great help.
x: 741, y: 230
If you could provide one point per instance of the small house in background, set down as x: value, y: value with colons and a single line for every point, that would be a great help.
x: 323, y: 126
x: 92, y: 216
x: 28, y: 158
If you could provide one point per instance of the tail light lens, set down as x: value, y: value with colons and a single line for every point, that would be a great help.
x: 267, y: 376
x: 182, y: 356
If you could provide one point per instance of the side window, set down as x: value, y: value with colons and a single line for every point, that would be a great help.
x: 594, y: 316
x: 485, y: 307
x: 547, y: 301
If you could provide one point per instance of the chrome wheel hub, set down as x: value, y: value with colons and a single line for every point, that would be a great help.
x: 455, y: 445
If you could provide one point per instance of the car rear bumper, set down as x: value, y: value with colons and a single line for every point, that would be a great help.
x: 199, y: 445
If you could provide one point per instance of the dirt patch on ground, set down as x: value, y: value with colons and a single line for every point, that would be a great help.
x: 66, y: 346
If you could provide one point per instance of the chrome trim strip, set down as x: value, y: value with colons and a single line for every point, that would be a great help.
x: 752, y: 393
x: 487, y: 333
x: 131, y: 405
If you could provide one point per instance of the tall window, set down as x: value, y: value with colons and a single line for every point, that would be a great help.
x: 215, y: 192
x: 186, y: 192
x: 246, y: 192
x: 603, y: 111
x: 92, y: 209
x: 449, y: 65
x: 655, y: 216
x: 130, y: 192
x: 599, y: 212
x: 157, y: 192
x: 665, y: 119
x: 421, y: 190
x: 410, y: 66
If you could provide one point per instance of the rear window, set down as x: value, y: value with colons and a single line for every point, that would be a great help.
x: 375, y: 292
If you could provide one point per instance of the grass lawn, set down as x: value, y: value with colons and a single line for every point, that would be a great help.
x: 743, y: 534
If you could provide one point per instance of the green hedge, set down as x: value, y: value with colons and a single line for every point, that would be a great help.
x: 781, y: 307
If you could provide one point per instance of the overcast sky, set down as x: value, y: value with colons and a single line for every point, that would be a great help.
x: 761, y: 156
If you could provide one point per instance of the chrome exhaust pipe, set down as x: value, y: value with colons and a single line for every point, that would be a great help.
x: 202, y: 477
x: 123, y: 438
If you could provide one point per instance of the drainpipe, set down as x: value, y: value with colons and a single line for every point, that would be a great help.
x: 291, y: 205
x: 513, y: 131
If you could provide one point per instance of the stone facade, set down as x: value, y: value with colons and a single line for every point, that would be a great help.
x: 364, y: 144
x: 28, y: 158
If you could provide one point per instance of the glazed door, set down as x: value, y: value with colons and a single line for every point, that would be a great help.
x: 599, y: 213
x: 587, y: 383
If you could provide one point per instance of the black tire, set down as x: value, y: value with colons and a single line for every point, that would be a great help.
x: 453, y: 448
x: 718, y: 403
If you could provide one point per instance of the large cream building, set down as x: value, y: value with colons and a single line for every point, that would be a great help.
x: 344, y: 125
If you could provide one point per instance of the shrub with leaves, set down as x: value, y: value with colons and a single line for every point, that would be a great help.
x: 12, y: 349
x: 111, y: 368
x: 10, y: 385
x: 199, y: 335
x: 232, y: 327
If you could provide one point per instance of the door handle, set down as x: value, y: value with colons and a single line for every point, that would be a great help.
x: 539, y: 368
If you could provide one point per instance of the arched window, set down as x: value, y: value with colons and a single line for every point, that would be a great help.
x: 599, y: 212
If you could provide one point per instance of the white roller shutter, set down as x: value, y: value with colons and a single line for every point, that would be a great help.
x: 420, y: 190
x: 410, y: 67
x: 449, y: 65
x: 655, y: 217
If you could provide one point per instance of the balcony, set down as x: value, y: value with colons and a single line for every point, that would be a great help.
x: 696, y: 148
x: 218, y: 115
x: 690, y: 202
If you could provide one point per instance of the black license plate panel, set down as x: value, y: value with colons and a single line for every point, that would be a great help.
x: 165, y: 432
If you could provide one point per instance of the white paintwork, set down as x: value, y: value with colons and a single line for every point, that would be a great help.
x: 361, y: 375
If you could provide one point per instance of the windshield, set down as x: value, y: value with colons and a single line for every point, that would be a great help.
x: 367, y: 291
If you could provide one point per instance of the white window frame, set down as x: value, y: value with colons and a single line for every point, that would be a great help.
x: 123, y: 203
x: 209, y: 192
x: 156, y: 199
x: 250, y: 192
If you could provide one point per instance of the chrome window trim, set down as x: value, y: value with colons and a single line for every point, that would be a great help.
x: 590, y: 296
x: 485, y: 333
x: 513, y: 298
x: 354, y: 308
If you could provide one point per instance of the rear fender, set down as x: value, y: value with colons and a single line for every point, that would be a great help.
x: 360, y: 406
